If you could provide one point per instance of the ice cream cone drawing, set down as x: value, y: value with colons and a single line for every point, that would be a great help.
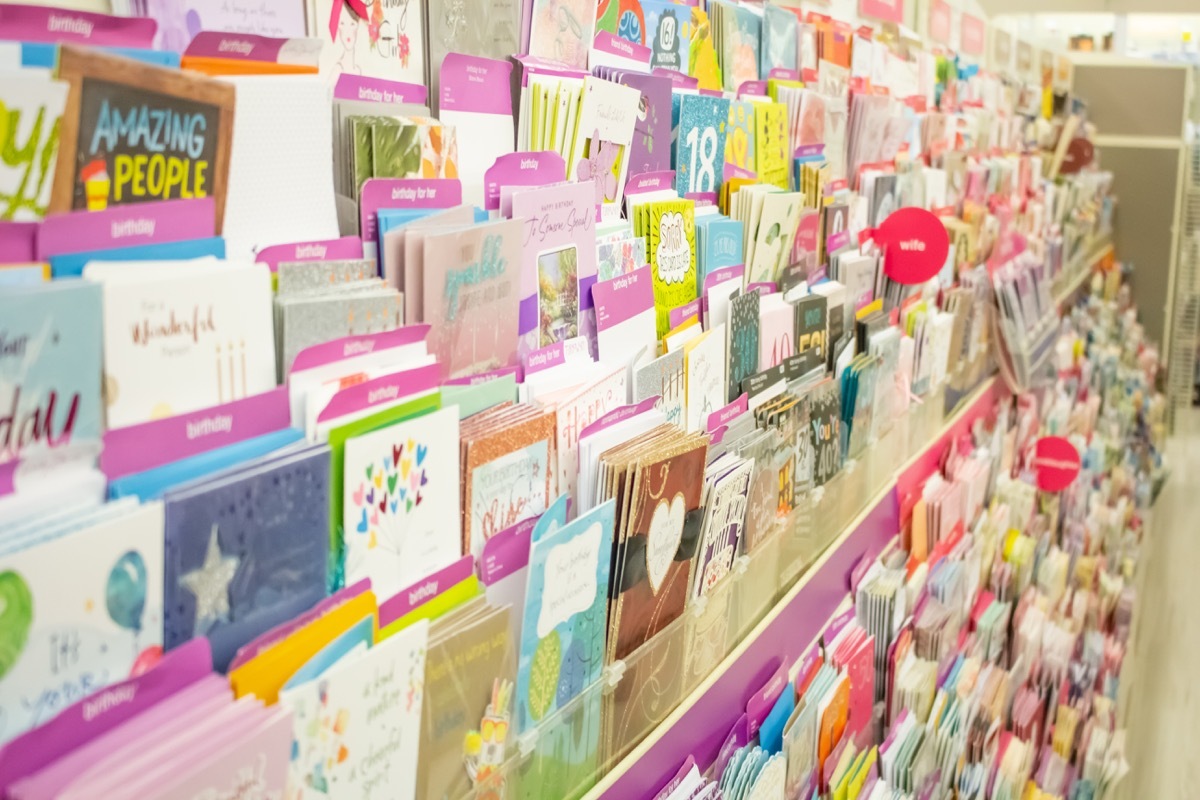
x: 96, y: 184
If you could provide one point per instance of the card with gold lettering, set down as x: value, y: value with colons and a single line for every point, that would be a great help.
x: 135, y: 133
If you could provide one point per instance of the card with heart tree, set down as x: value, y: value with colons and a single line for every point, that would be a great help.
x: 401, y: 485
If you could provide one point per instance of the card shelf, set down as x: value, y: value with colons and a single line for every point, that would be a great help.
x: 681, y: 693
x: 1080, y: 269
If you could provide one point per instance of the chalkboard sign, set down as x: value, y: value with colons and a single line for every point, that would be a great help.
x: 134, y: 133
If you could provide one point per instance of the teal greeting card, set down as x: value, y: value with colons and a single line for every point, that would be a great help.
x: 700, y: 152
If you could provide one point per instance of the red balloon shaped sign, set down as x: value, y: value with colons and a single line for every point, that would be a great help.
x: 1055, y: 463
x: 917, y: 244
x: 1080, y: 153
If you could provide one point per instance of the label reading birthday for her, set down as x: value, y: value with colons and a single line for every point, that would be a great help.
x: 136, y: 146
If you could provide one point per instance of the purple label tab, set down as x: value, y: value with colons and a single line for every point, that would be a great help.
x: 680, y: 314
x: 350, y: 346
x: 723, y: 275
x: 544, y: 358
x: 8, y: 472
x: 809, y: 151
x: 760, y: 704
x: 378, y: 90
x: 764, y: 288
x: 22, y: 23
x: 347, y: 248
x: 783, y: 74
x: 665, y: 792
x: 650, y: 182
x: 127, y: 226
x: 382, y: 390
x: 138, y: 448
x: 619, y: 414
x: 732, y: 171
x: 678, y: 79
x: 723, y: 416
x: 507, y: 551
x: 251, y: 47
x: 738, y: 738
x: 753, y: 89
x: 540, y: 168
x: 104, y: 711
x: 837, y: 241
x: 424, y: 590
x: 835, y: 626
x: 533, y: 65
x: 18, y: 242
x: 380, y: 193
x: 606, y: 42
x: 702, y: 199
x: 622, y: 298
x: 477, y: 85
x: 484, y: 377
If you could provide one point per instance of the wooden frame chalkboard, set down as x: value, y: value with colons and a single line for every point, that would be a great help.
x: 198, y: 110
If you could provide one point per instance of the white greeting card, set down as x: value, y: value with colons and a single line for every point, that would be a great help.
x: 401, y: 485
x: 704, y: 381
x: 389, y: 44
x: 603, y: 138
x: 179, y: 340
x: 356, y: 728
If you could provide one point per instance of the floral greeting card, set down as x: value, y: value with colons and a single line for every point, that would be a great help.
x: 400, y: 483
x: 604, y: 138
x: 389, y: 43
x: 562, y: 31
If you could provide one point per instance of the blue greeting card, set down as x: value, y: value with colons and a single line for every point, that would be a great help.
x: 246, y: 550
x: 668, y: 33
x: 719, y: 240
x: 562, y: 637
x: 71, y: 265
x: 700, y: 151
x: 50, y: 339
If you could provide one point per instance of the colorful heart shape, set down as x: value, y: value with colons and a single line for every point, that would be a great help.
x: 379, y: 481
x: 420, y: 497
x: 362, y: 524
x: 422, y: 451
x: 370, y: 468
x: 405, y: 466
x: 392, y: 483
x: 374, y: 541
x: 374, y: 518
x: 371, y: 497
x: 383, y: 504
x: 396, y: 453
x: 394, y: 505
x: 424, y: 478
x: 410, y: 505
x: 415, y: 483
x: 358, y: 496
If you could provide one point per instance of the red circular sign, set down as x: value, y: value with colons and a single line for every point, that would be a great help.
x: 917, y: 245
x: 1056, y: 462
x: 1080, y: 153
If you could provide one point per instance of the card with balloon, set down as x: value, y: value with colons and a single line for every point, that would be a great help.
x: 81, y: 607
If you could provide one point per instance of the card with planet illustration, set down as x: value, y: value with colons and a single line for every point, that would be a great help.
x: 81, y: 607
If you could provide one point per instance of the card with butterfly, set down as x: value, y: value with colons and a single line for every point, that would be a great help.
x: 401, y: 483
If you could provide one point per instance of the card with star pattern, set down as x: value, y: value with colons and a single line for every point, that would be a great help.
x: 246, y: 550
x: 81, y: 607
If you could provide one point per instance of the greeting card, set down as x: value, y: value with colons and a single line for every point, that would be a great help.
x: 389, y: 43
x: 651, y: 149
x: 471, y: 301
x: 704, y: 370
x: 82, y: 609
x: 604, y: 138
x: 50, y: 338
x: 663, y: 378
x: 246, y: 550
x: 700, y: 144
x: 740, y: 35
x: 486, y: 28
x: 35, y: 103
x: 739, y: 136
x: 743, y: 340
x: 180, y: 336
x: 668, y: 33
x: 356, y: 728
x: 557, y: 264
x: 671, y: 239
x: 562, y: 31
x: 771, y: 143
x: 401, y: 483
x: 562, y: 637
x: 780, y: 40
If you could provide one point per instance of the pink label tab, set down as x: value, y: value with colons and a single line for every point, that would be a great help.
x: 702, y: 199
x: 138, y: 448
x: 378, y: 90
x: 607, y: 42
x: 484, y: 377
x: 346, y: 248
x: 424, y: 590
x: 18, y: 242
x: 837, y: 241
x: 886, y: 10
x: 533, y: 65
x: 619, y: 414
x: 650, y: 182
x: 622, y: 298
x: 250, y: 47
x: 722, y: 275
x: 836, y: 624
x: 540, y: 168
x: 738, y: 737
x: 732, y: 171
x: 809, y: 151
x: 380, y: 391
x: 544, y: 358
x: 680, y: 775
x: 917, y: 245
x: 763, y: 288
x: 678, y: 79
x: 507, y: 551
x: 753, y: 89
x: 127, y: 226
x: 723, y: 416
x: 680, y: 314
x: 22, y: 23
x: 380, y: 193
x: 8, y: 472
x: 783, y: 74
x: 476, y: 84
x: 350, y: 346
x: 760, y: 704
